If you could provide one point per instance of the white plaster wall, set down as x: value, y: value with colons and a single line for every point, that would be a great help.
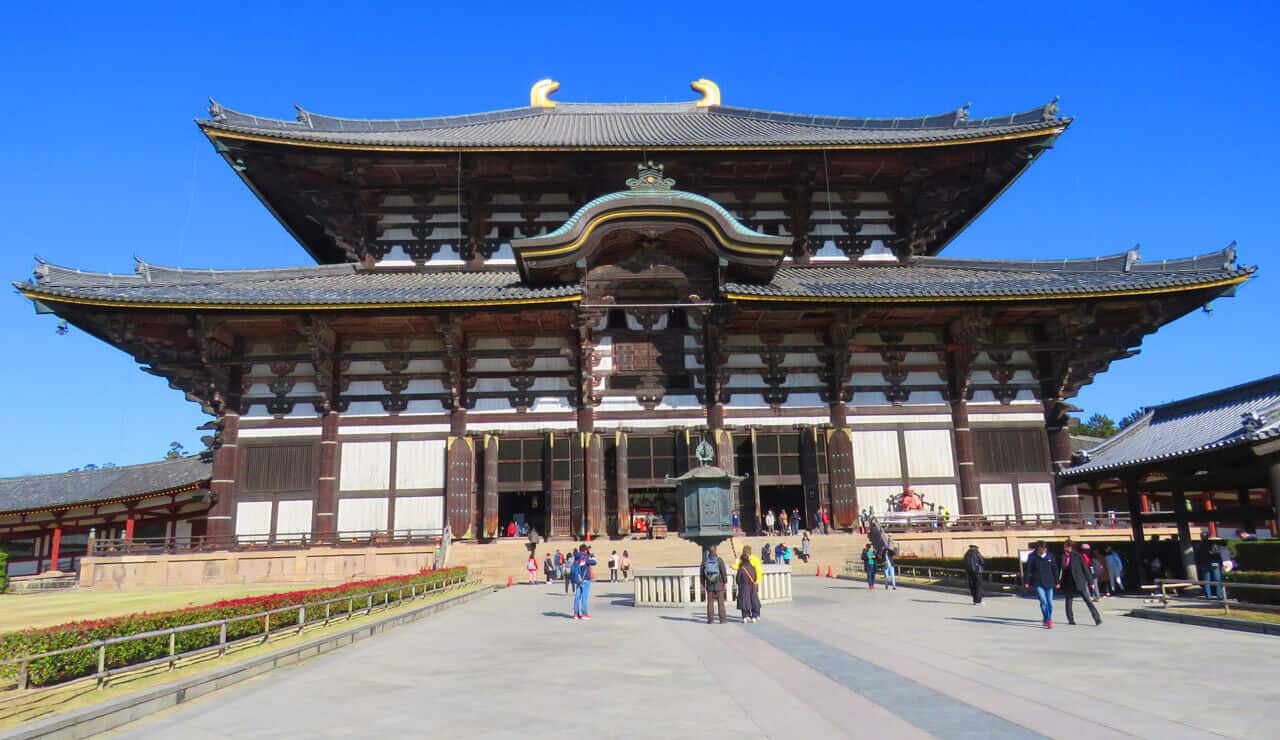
x: 293, y: 517
x: 362, y: 514
x: 875, y: 454
x: 420, y: 464
x: 1036, y: 498
x: 253, y: 518
x: 929, y: 453
x: 997, y: 499
x: 365, y: 466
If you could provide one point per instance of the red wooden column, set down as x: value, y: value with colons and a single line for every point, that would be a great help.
x: 325, y: 522
x: 489, y: 488
x: 223, y: 486
x: 970, y: 493
x: 1055, y: 426
x: 55, y: 550
x: 128, y: 528
x: 621, y: 493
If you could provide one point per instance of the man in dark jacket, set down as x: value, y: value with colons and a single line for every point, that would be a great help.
x: 714, y: 579
x: 1074, y: 580
x: 973, y: 565
x: 1041, y: 574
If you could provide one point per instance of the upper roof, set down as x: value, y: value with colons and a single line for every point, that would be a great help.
x: 1232, y: 416
x: 349, y: 286
x: 632, y: 126
x: 66, y: 490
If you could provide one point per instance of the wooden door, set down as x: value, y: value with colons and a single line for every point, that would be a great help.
x: 844, y: 496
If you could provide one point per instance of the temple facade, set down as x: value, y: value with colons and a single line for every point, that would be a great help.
x: 536, y: 314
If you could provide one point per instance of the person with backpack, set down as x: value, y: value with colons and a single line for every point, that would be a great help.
x: 548, y: 569
x: 714, y: 579
x: 869, y: 565
x: 582, y: 563
x: 613, y: 567
x: 973, y: 565
x: 750, y: 571
x: 1115, y: 570
x: 890, y: 572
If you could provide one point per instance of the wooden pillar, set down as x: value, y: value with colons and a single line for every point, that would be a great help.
x: 460, y: 483
x: 128, y: 528
x: 1273, y: 483
x: 325, y: 522
x: 1186, y: 546
x: 1055, y: 427
x: 1135, y: 521
x: 622, y: 496
x: 1246, y: 508
x: 55, y: 550
x: 970, y: 492
x: 226, y: 462
x: 1146, y: 503
x: 1208, y: 507
x: 578, y: 484
x: 489, y: 489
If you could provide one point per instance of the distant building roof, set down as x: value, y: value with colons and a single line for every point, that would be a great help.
x: 1232, y: 416
x: 924, y: 279
x: 67, y: 490
x: 633, y: 125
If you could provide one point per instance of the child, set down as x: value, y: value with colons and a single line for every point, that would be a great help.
x: 532, y: 567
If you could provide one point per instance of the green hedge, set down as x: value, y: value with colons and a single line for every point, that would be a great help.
x: 1269, y: 578
x: 68, y: 666
x: 1256, y: 555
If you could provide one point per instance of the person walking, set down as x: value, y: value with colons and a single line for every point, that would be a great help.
x: 768, y: 522
x: 715, y: 577
x: 750, y: 571
x: 869, y: 565
x: 626, y: 565
x: 570, y: 560
x: 737, y: 529
x: 817, y: 520
x: 1073, y: 578
x: 826, y: 522
x: 804, y: 546
x: 548, y: 569
x: 613, y: 567
x: 795, y: 522
x: 583, y: 562
x: 1041, y: 574
x: 973, y: 565
x: 1095, y: 571
x: 784, y: 529
x: 1115, y: 570
x: 559, y: 563
x: 532, y: 566
x: 890, y: 572
x: 533, y: 540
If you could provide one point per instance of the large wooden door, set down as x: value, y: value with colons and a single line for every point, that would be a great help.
x: 577, y: 484
x: 622, y: 497
x: 460, y: 485
x: 596, y: 514
x: 844, y: 496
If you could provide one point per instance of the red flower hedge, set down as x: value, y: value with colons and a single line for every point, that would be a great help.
x: 67, y: 666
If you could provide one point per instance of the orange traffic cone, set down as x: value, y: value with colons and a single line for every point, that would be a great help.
x: 588, y: 536
x: 819, y: 573
x: 508, y: 581
x: 829, y: 573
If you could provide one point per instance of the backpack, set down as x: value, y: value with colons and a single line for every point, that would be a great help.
x: 711, y: 569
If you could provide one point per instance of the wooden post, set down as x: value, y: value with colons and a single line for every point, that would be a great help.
x: 1135, y: 521
x: 1273, y: 482
x: 1208, y: 507
x: 1186, y: 547
x: 325, y: 522
x: 970, y: 492
x: 223, y: 484
x: 1056, y: 421
x: 128, y: 528
x: 55, y: 550
x: 1246, y: 508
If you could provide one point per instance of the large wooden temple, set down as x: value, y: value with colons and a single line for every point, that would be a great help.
x: 537, y: 313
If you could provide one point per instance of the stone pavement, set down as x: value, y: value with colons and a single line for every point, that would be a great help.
x: 840, y: 661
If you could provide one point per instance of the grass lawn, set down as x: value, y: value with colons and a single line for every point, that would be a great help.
x: 19, y: 707
x: 1235, y: 613
x: 18, y: 611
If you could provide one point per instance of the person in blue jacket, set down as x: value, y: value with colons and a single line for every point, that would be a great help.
x: 1041, y: 574
x: 583, y: 561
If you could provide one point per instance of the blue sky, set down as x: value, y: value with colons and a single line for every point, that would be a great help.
x: 1173, y: 147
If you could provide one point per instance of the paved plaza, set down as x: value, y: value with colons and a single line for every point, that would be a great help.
x: 840, y: 661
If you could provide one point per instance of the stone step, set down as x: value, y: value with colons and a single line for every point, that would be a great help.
x: 497, y: 560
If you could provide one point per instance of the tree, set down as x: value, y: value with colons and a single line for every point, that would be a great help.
x: 175, y: 451
x: 1133, y: 416
x: 1098, y: 425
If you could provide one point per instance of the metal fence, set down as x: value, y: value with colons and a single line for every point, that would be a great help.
x: 1000, y: 578
x: 932, y: 521
x: 107, y: 547
x: 308, y: 615
x: 1165, y: 585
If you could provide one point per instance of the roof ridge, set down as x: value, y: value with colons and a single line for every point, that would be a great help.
x: 113, y: 469
x: 1235, y: 392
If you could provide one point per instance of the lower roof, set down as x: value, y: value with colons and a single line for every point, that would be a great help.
x: 103, y: 485
x: 1233, y: 416
x: 349, y: 286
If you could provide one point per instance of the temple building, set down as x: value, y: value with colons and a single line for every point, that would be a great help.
x: 536, y: 314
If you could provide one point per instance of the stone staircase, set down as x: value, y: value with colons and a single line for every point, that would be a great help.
x: 494, y: 561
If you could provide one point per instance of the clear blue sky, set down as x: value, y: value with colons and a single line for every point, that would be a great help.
x: 1174, y: 147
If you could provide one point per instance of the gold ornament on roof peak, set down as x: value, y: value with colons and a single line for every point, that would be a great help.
x: 539, y: 94
x: 710, y: 92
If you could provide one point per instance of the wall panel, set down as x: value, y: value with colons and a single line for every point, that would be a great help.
x: 253, y: 518
x: 362, y: 514
x: 419, y: 512
x: 875, y: 455
x: 929, y: 453
x: 365, y: 466
x: 420, y: 465
x: 997, y: 499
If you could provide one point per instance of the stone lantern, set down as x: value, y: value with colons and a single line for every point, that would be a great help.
x: 706, y: 500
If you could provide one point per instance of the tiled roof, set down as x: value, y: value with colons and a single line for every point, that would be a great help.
x: 62, y: 490
x: 923, y: 279
x: 320, y: 286
x: 1187, y: 427
x: 937, y: 278
x: 626, y: 125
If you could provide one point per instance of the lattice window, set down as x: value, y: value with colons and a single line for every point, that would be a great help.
x: 1009, y: 451
x: 277, y: 468
x: 650, y: 457
x: 778, y: 454
x: 520, y: 461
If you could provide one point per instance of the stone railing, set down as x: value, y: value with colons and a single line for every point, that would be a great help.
x: 682, y: 586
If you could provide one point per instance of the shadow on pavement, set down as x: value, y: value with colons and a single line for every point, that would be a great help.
x: 1006, y: 621
x: 562, y: 615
